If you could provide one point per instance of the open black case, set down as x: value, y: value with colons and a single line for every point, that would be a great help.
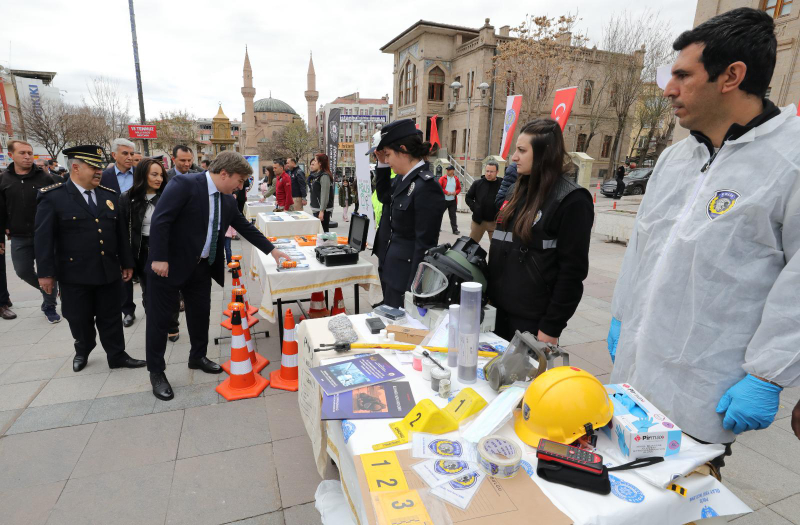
x: 346, y: 254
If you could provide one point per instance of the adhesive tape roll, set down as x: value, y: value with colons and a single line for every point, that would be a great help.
x: 499, y: 457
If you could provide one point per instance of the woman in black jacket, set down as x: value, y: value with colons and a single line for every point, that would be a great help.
x: 321, y: 183
x: 136, y: 209
x: 539, y: 254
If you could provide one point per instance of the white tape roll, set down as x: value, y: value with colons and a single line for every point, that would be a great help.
x: 499, y: 457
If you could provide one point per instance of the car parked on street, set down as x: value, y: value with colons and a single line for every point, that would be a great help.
x: 635, y: 183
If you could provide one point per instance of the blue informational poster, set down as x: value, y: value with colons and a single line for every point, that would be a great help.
x: 354, y: 373
x: 387, y: 400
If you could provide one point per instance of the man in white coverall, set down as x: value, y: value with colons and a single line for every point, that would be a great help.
x: 707, y: 305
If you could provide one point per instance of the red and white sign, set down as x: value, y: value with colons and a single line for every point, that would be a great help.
x: 562, y: 105
x: 142, y: 132
x: 513, y: 106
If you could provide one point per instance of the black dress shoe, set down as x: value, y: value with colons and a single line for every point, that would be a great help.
x: 79, y: 363
x: 161, y: 388
x: 175, y: 337
x: 127, y: 320
x: 206, y: 365
x: 126, y: 361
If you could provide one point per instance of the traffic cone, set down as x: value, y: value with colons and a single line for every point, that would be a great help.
x: 286, y: 377
x: 243, y: 382
x: 259, y: 362
x: 234, y: 266
x: 317, y: 309
x: 615, y: 205
x: 250, y: 309
x: 595, y: 198
x: 338, y: 303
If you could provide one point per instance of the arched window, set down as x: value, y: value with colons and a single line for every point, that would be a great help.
x: 436, y: 84
x: 410, y: 81
x: 777, y: 8
x: 414, y: 87
x: 400, y: 91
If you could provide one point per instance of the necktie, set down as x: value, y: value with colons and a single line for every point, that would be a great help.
x: 90, y: 200
x: 212, y: 253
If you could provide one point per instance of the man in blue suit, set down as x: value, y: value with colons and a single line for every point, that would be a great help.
x: 187, y: 234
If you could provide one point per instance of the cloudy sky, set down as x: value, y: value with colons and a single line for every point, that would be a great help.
x: 192, y: 52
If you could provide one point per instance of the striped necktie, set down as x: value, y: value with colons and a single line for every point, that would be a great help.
x: 212, y: 254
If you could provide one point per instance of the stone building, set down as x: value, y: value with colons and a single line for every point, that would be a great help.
x: 262, y: 119
x: 784, y: 89
x: 359, y: 119
x: 429, y: 56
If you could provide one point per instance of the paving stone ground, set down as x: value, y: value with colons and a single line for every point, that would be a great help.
x: 97, y: 447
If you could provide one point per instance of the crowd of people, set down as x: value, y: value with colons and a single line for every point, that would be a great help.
x: 705, y: 312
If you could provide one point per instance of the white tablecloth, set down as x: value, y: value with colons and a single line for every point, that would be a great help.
x: 289, y: 226
x: 253, y: 208
x: 632, y: 500
x: 299, y: 284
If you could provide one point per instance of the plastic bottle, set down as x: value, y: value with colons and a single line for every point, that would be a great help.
x: 452, y: 336
x: 469, y: 327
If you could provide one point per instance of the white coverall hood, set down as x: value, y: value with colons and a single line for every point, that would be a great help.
x: 709, y: 289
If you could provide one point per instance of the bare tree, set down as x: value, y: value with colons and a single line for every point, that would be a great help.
x: 107, y: 103
x: 47, y: 124
x: 654, y: 112
x: 174, y: 128
x: 544, y: 57
x: 292, y: 141
x: 637, y: 46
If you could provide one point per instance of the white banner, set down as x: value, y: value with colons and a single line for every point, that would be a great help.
x: 360, y: 150
x: 253, y: 161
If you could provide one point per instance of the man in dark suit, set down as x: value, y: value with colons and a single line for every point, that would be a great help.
x: 186, y: 238
x: 119, y: 178
x: 182, y: 159
x: 80, y: 240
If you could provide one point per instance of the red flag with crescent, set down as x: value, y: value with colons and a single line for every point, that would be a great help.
x: 562, y: 105
x: 513, y: 107
x: 434, y: 136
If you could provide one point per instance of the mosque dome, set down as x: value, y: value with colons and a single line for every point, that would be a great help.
x: 273, y: 105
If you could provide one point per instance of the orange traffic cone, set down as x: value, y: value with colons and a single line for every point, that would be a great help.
x: 259, y: 362
x: 286, y: 377
x: 595, y: 198
x: 243, y: 383
x: 317, y: 309
x: 234, y: 266
x: 249, y: 308
x: 338, y: 303
x: 615, y: 205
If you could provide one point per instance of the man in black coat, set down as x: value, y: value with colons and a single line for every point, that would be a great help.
x: 81, y: 241
x: 187, y: 234
x: 182, y: 159
x: 480, y: 199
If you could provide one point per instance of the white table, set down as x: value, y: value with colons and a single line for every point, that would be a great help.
x: 305, y: 224
x: 253, y: 208
x: 633, y: 501
x: 278, y: 287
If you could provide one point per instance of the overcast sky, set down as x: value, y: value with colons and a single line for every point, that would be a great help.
x: 192, y: 52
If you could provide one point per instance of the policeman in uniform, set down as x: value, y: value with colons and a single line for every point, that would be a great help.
x: 413, y: 205
x: 81, y: 242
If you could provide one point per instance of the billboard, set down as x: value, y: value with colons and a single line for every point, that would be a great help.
x: 142, y: 132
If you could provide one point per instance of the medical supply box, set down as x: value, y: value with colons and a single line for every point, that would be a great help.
x: 348, y: 253
x: 639, y: 428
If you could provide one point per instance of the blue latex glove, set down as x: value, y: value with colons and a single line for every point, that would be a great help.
x: 750, y: 404
x: 613, y: 338
x: 643, y: 424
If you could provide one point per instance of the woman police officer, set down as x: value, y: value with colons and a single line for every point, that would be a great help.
x: 539, y: 254
x: 414, y: 201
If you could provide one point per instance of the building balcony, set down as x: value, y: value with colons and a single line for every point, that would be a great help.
x: 463, y: 49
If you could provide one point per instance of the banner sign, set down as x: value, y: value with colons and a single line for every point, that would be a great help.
x: 363, y: 118
x: 364, y: 186
x: 332, y: 142
x: 513, y: 106
x: 142, y: 132
x: 562, y: 105
x: 253, y: 161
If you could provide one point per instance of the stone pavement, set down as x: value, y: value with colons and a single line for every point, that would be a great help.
x: 97, y: 447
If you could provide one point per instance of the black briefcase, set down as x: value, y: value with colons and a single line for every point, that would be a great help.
x: 346, y: 254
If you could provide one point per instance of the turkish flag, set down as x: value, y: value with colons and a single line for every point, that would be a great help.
x: 562, y: 105
x: 434, y: 137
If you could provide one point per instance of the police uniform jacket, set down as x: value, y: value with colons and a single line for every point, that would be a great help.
x: 410, y: 225
x: 75, y: 245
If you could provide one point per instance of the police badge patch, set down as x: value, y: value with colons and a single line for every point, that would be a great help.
x: 411, y: 188
x: 721, y: 203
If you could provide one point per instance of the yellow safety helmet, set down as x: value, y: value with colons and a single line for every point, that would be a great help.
x: 559, y: 404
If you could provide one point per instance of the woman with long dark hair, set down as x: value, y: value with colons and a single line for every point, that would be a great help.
x: 321, y: 183
x: 413, y: 204
x: 539, y: 254
x: 136, y: 209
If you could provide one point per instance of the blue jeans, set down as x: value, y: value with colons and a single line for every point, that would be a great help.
x: 23, y: 258
x: 228, y: 252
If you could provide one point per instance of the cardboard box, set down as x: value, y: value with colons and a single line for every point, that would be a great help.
x: 514, y: 501
x: 431, y: 317
x: 639, y: 428
x: 404, y: 334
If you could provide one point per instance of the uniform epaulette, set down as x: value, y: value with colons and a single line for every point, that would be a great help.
x: 108, y: 189
x: 426, y: 176
x: 51, y: 187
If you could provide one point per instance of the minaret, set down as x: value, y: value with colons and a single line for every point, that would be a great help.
x: 312, y: 95
x: 249, y: 92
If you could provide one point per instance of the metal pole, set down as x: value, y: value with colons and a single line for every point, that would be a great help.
x: 469, y: 134
x: 138, y: 75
